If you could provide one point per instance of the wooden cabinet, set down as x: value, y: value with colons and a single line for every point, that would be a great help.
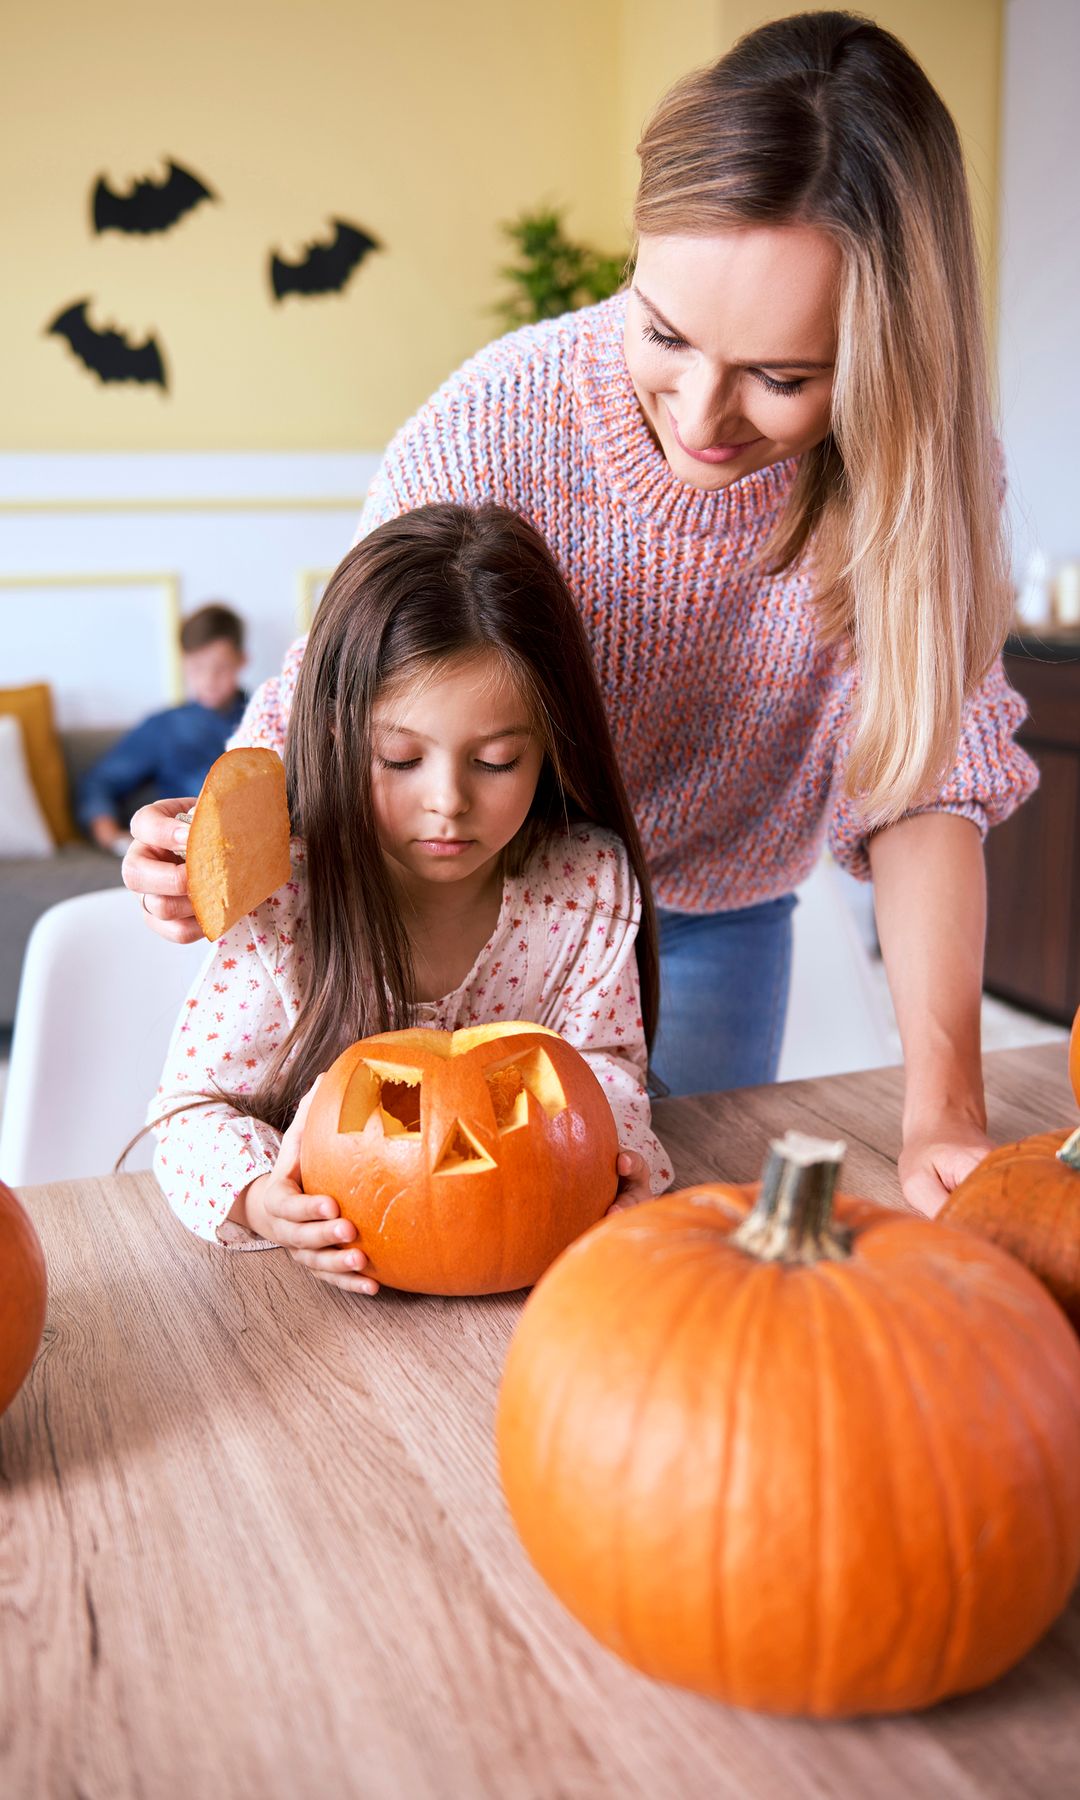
x: 1033, y: 860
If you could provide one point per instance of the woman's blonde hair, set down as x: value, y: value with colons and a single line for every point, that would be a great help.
x: 825, y: 119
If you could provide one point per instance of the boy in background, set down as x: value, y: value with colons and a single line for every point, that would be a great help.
x: 172, y: 750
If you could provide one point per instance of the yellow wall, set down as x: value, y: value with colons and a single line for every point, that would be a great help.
x: 425, y: 121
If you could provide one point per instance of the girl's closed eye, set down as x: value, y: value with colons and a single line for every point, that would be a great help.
x: 385, y: 762
x: 498, y: 768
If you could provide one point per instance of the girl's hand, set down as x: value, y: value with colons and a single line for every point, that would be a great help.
x: 634, y: 1185
x: 935, y: 1159
x: 308, y: 1226
x: 154, y: 868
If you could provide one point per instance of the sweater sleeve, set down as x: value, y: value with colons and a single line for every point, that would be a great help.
x: 587, y: 898
x: 989, y: 779
x: 266, y: 717
x: 237, y: 1010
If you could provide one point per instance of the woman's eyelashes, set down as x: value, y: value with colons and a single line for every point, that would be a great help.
x: 767, y: 381
x: 777, y: 387
x: 666, y: 343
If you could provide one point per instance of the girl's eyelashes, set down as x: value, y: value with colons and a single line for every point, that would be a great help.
x: 489, y: 768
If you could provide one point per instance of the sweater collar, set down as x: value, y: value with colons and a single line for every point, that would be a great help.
x: 635, y: 467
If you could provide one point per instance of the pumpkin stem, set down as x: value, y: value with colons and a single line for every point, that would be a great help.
x: 1069, y: 1153
x: 792, y: 1218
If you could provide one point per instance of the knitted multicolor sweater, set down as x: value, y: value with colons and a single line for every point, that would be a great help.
x: 729, y: 716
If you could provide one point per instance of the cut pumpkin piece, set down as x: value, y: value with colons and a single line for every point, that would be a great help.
x: 238, y: 845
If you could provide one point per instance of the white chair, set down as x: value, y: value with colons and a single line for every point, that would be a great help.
x: 836, y: 1021
x: 98, y: 999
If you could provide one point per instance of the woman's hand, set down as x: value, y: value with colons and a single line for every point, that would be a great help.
x: 308, y: 1226
x: 936, y: 1157
x: 634, y: 1187
x: 154, y: 868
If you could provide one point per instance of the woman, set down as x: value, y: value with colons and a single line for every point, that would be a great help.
x: 769, y: 475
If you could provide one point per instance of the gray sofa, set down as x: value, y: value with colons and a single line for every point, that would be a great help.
x: 28, y: 887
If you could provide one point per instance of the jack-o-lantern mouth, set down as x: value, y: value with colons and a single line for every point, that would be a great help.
x: 395, y: 1094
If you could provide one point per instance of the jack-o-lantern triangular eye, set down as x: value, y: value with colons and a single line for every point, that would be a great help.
x: 391, y: 1090
x: 514, y: 1080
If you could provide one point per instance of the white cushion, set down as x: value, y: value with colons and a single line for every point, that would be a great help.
x: 23, y: 829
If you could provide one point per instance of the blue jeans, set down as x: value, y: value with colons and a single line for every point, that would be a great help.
x: 724, y: 981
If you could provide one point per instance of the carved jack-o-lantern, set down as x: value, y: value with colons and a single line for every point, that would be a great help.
x: 467, y: 1160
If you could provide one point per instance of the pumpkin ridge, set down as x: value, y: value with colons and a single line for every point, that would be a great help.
x: 956, y: 1308
x: 1004, y: 1372
x: 550, y: 1453
x: 907, y: 1347
x: 871, y: 1329
x: 821, y: 1388
x: 728, y: 1354
x: 624, y: 1589
x: 762, y: 1282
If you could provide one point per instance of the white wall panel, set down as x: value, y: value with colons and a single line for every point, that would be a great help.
x: 256, y: 531
x: 1039, y: 294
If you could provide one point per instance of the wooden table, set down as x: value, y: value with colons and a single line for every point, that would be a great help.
x: 252, y: 1544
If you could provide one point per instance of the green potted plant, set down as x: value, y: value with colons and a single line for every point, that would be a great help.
x: 551, y: 274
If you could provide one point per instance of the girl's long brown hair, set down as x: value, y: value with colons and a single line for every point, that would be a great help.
x: 440, y: 582
x: 825, y: 119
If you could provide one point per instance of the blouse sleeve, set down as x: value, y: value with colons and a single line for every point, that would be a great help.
x: 237, y: 1010
x: 589, y: 909
x: 990, y: 778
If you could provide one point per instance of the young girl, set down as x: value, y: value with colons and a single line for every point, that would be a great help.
x: 464, y: 852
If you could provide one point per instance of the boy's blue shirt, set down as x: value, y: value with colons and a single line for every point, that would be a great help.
x: 170, y: 751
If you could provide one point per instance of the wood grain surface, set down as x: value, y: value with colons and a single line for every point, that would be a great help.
x: 252, y: 1542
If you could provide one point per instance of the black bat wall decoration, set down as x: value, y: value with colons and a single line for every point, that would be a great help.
x: 151, y: 205
x: 107, y: 353
x: 326, y: 267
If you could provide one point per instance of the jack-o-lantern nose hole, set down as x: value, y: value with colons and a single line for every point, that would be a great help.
x: 401, y: 1101
x: 462, y: 1154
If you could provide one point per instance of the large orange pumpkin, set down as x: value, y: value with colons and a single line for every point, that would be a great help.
x: 22, y: 1295
x: 1026, y: 1197
x: 466, y: 1160
x: 807, y: 1464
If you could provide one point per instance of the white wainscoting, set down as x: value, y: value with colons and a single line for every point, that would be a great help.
x: 100, y: 555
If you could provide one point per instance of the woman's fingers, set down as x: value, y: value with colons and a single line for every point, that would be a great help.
x: 156, y: 827
x: 155, y: 872
x: 168, y: 905
x: 154, y: 869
